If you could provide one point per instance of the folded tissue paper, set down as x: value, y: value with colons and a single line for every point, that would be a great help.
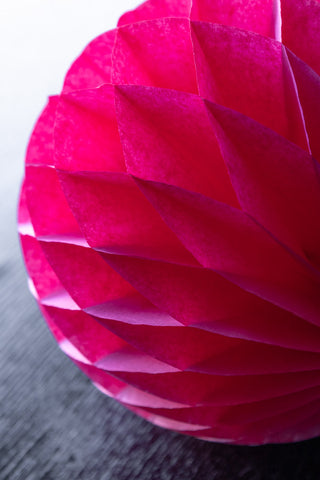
x: 170, y: 216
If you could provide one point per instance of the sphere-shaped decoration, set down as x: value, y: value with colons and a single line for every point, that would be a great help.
x: 170, y: 216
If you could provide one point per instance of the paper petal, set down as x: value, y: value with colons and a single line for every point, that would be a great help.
x: 157, y: 52
x: 44, y: 279
x: 156, y: 9
x: 301, y: 30
x: 258, y: 16
x: 237, y: 414
x: 116, y: 216
x: 308, y: 85
x: 281, y: 190
x: 43, y: 193
x: 75, y: 265
x: 134, y: 310
x: 91, y: 338
x: 86, y: 133
x: 40, y: 148
x: 181, y: 131
x: 256, y: 85
x: 231, y: 243
x: 206, y: 352
x: 247, y: 316
x: 197, y: 388
x: 93, y: 67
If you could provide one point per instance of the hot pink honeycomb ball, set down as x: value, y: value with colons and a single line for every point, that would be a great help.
x: 169, y: 216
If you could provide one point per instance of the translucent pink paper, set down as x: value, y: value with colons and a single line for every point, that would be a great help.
x: 169, y: 216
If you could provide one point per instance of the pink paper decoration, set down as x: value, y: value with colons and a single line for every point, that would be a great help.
x: 169, y: 216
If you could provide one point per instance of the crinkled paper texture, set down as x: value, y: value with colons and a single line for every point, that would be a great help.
x: 169, y: 216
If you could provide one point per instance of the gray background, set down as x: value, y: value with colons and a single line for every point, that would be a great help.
x: 53, y: 423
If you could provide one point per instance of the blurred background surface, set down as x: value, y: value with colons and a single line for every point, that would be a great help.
x: 54, y: 425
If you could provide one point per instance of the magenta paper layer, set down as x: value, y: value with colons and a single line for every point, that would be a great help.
x: 169, y: 217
